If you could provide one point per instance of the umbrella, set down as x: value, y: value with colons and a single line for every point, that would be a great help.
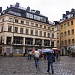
x: 47, y: 50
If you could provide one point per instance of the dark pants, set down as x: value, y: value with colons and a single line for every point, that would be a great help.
x: 57, y: 56
x: 50, y: 64
x: 36, y: 62
x: 45, y: 56
x: 29, y: 57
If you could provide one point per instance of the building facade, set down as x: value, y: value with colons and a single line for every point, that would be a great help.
x: 67, y: 32
x: 23, y: 29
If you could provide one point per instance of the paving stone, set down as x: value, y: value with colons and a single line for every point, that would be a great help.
x: 23, y: 66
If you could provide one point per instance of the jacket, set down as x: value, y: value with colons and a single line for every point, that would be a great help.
x: 50, y: 57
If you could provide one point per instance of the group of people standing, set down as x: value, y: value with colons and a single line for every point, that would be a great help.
x: 49, y: 56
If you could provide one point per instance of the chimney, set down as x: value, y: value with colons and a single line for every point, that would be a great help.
x: 17, y: 5
x: 37, y: 12
x: 64, y: 15
x: 72, y: 10
x: 10, y: 5
x: 0, y: 9
x: 67, y: 12
x: 28, y: 8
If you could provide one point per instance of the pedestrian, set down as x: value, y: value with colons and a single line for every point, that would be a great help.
x: 50, y: 58
x: 57, y: 54
x: 44, y: 55
x: 36, y: 58
x: 29, y: 55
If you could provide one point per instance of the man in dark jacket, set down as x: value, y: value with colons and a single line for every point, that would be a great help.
x: 50, y: 58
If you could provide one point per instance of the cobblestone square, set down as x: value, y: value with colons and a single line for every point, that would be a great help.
x: 23, y: 66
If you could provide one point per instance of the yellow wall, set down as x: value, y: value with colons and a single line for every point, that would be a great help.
x: 66, y: 29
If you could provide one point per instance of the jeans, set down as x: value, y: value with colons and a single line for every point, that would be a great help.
x: 36, y: 62
x: 50, y: 64
x: 57, y: 56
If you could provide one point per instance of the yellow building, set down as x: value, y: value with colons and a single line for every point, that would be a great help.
x: 22, y: 30
x: 67, y: 32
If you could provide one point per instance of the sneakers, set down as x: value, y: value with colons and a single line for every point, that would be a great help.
x: 49, y: 72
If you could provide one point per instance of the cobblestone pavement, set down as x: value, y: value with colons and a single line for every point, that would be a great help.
x: 22, y: 66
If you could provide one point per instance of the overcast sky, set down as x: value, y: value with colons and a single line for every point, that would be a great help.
x: 53, y: 9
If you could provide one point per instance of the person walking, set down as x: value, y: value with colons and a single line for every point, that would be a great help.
x: 36, y: 58
x: 57, y: 52
x: 50, y: 58
x: 29, y: 55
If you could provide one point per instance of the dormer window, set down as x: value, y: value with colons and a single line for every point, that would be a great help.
x: 10, y: 19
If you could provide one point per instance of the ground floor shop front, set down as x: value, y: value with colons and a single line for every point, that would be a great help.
x: 17, y: 50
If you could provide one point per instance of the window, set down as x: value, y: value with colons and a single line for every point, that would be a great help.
x: 62, y: 43
x: 72, y: 41
x: 38, y: 18
x: 27, y: 31
x: 48, y: 34
x: 61, y: 26
x: 16, y: 20
x: 32, y: 24
x: 44, y: 34
x: 18, y: 40
x: 57, y: 35
x: 2, y: 28
x: 44, y: 19
x: 29, y: 41
x: 65, y: 33
x: 64, y: 25
x: 65, y: 42
x: 9, y: 28
x: 0, y: 40
x: 68, y: 41
x: 53, y: 29
x: 22, y: 22
x: 68, y: 24
x: 8, y: 40
x: 31, y: 32
x: 27, y: 23
x: 52, y: 35
x: 40, y: 26
x: 10, y: 19
x: 41, y: 18
x: 31, y: 16
x: 71, y: 22
x: 72, y: 31
x: 36, y: 25
x: 2, y: 19
x: 40, y: 33
x: 46, y: 43
x: 62, y: 34
x: 16, y: 29
x: 36, y: 32
x: 57, y: 41
x: 48, y: 28
x: 35, y: 17
x: 68, y: 32
x: 27, y: 15
x: 44, y: 27
x: 21, y: 30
